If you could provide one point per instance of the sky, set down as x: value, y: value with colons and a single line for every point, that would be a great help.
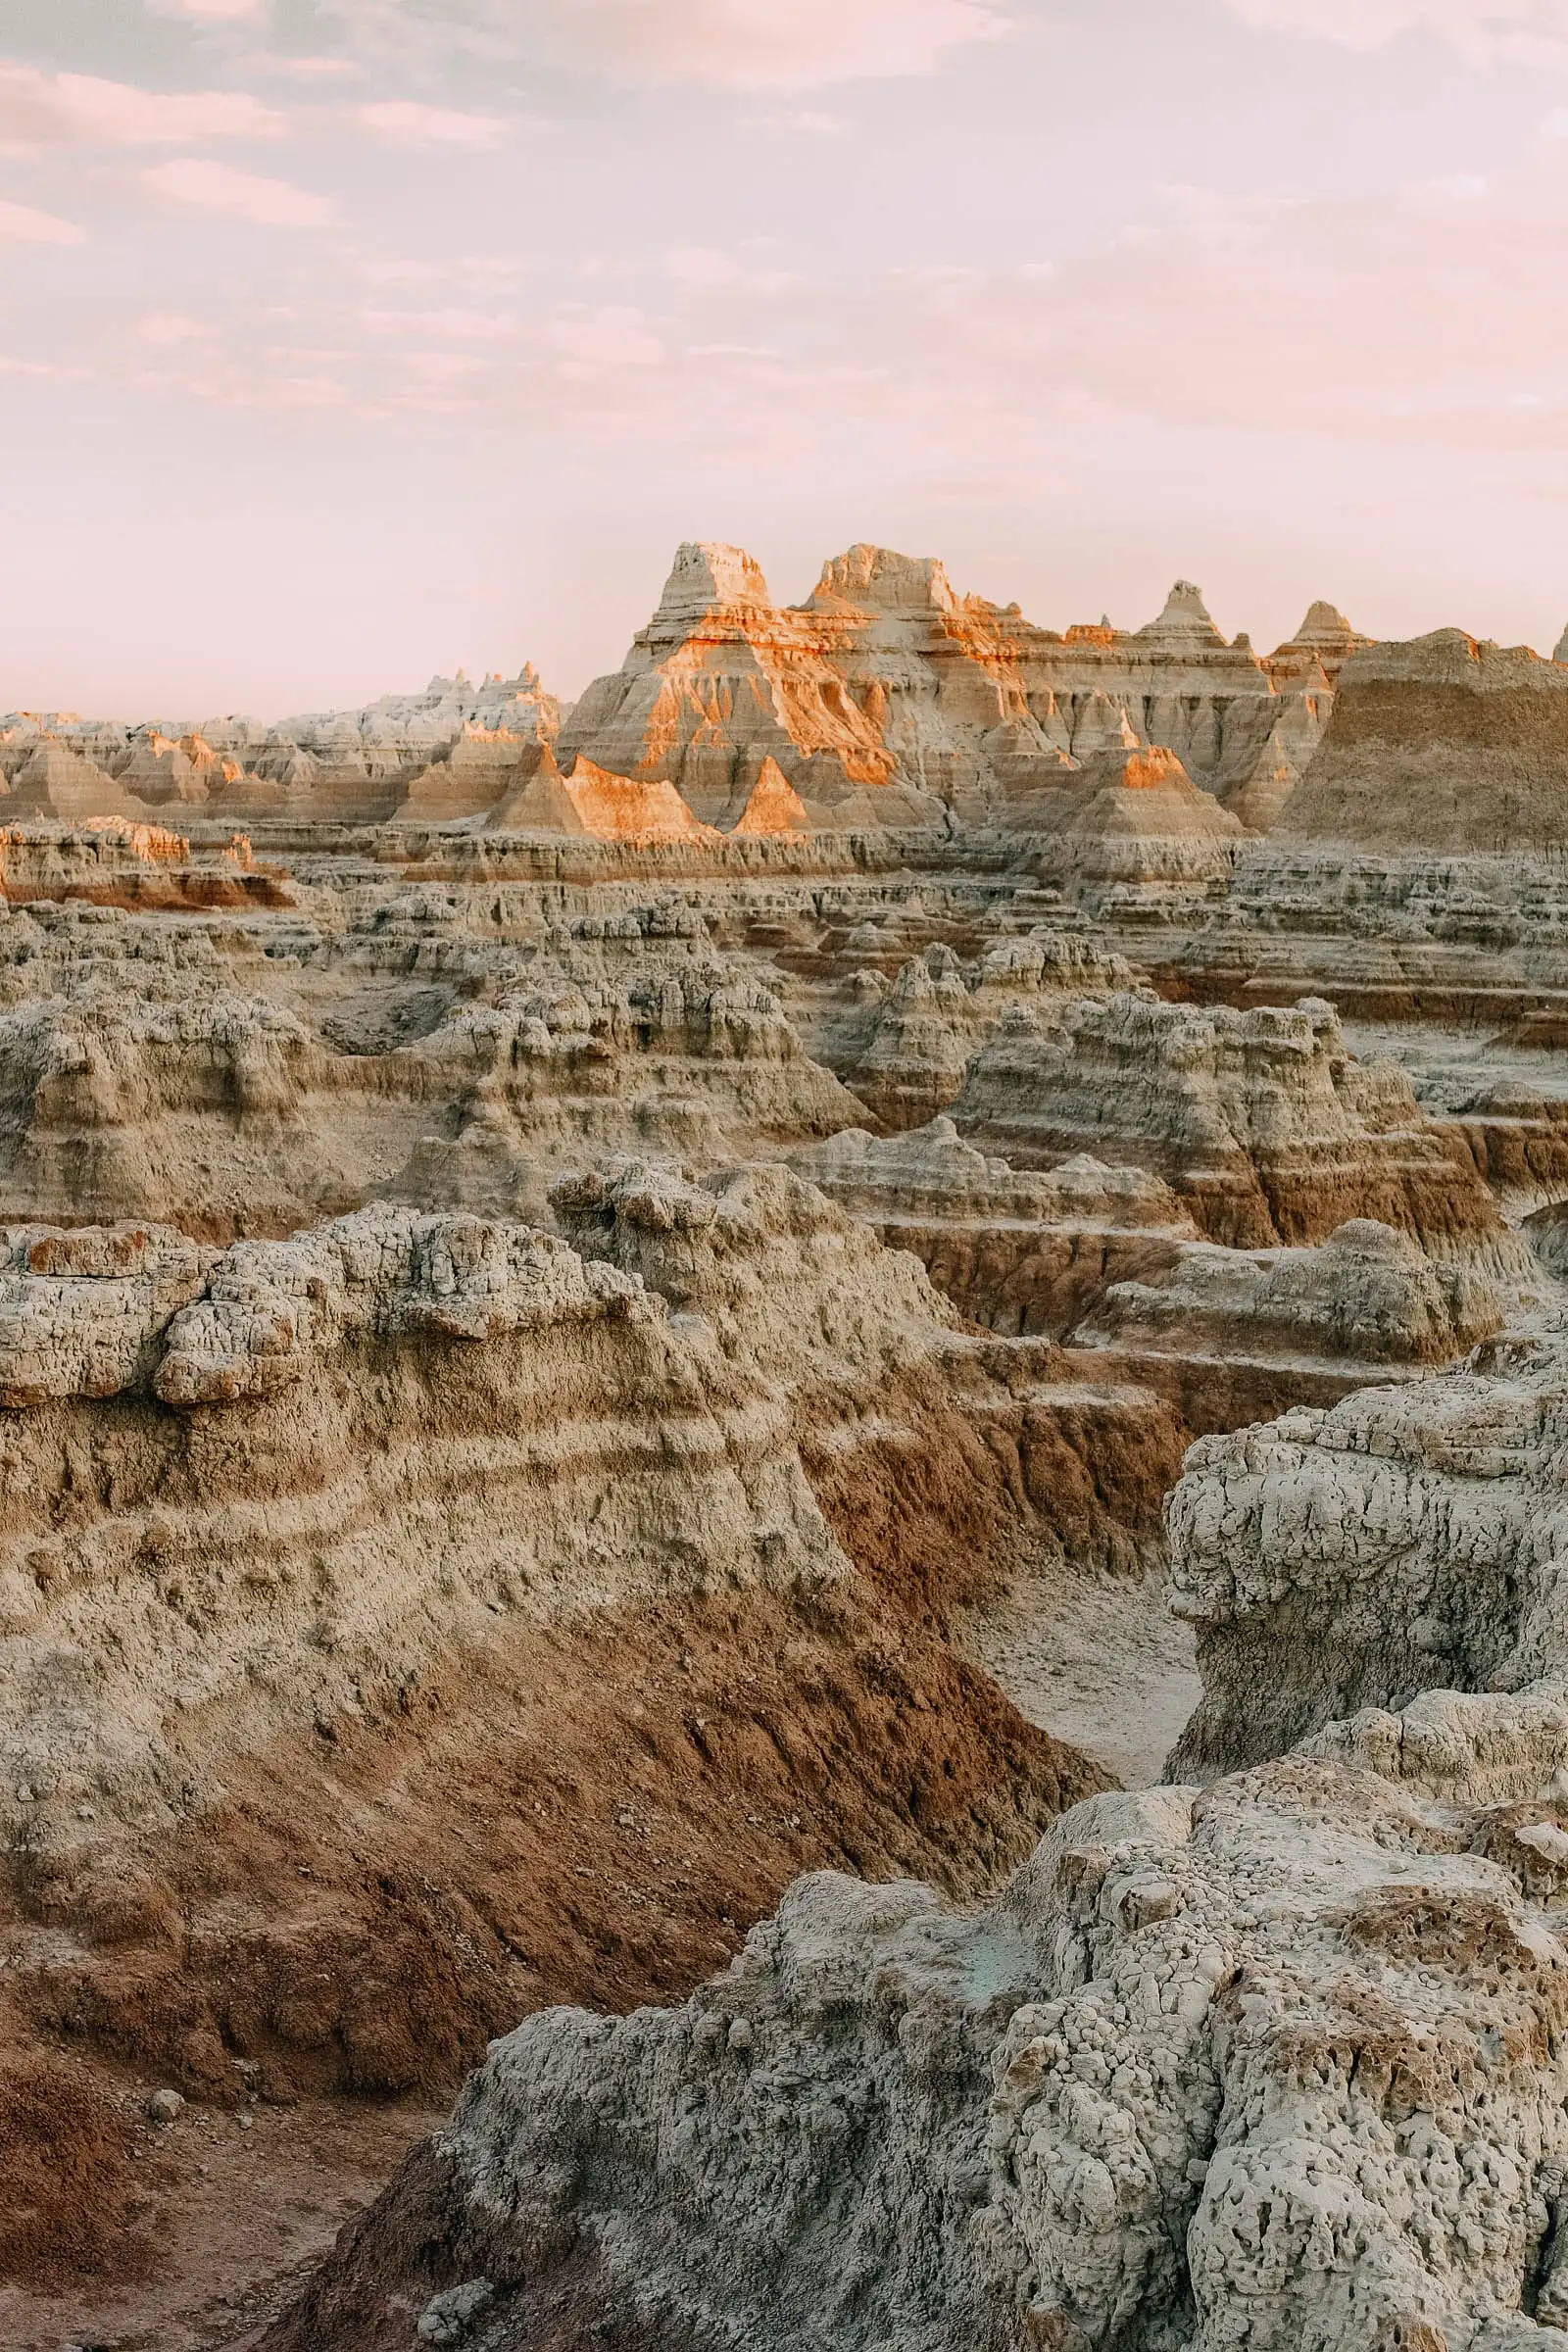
x: 346, y: 341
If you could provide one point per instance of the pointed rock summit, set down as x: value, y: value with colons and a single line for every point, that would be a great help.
x: 879, y: 578
x: 537, y: 804
x: 1186, y: 616
x: 1320, y: 648
x: 705, y: 577
x: 630, y: 808
x: 774, y: 807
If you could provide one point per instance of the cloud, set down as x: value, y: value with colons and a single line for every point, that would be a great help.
x: 797, y: 122
x: 25, y: 224
x: 613, y: 337
x: 1484, y: 30
x: 55, y: 108
x: 735, y: 44
x: 298, y: 68
x: 453, y: 324
x: 215, y: 187
x: 168, y: 328
x: 409, y: 125
x: 765, y: 44
x: 213, y: 12
x: 702, y: 266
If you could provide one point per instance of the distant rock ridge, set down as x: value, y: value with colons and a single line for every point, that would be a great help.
x: 887, y: 683
x: 887, y: 699
x: 1442, y: 743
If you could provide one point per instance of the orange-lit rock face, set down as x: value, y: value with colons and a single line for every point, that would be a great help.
x: 775, y: 809
x: 721, y: 681
x: 939, y: 674
x: 628, y: 809
x: 887, y: 699
x: 153, y: 845
x: 1146, y: 771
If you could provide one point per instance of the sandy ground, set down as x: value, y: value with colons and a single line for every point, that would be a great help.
x: 244, y: 2205
x: 1097, y: 1661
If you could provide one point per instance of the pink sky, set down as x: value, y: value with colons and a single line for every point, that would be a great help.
x: 348, y: 341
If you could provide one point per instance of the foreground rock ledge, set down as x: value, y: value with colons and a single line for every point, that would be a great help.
x: 1278, y: 2064
x: 1275, y: 2065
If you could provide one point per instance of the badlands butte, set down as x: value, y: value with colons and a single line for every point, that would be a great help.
x: 807, y: 1429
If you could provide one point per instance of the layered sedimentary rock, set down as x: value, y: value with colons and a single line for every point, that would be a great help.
x: 721, y: 681
x: 1130, y: 836
x: 1246, y: 729
x: 888, y: 677
x: 445, y: 755
x: 1020, y: 1253
x: 1231, y: 1337
x: 1367, y: 1294
x: 1444, y: 744
x: 1320, y: 648
x: 1263, y: 1122
x: 1109, y: 1259
x: 56, y: 781
x: 173, y: 1087
x: 905, y: 1048
x: 302, y: 1533
x: 589, y: 1326
x: 888, y: 700
x: 937, y: 677
x: 1273, y: 2061
x: 1405, y: 1541
x: 1276, y: 2063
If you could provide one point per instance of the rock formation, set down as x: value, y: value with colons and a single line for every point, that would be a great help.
x: 888, y: 700
x: 194, y: 1093
x: 905, y: 1049
x: 721, y: 681
x: 1277, y: 2062
x: 526, y: 1468
x: 601, y: 1315
x: 1441, y: 743
x: 1265, y: 1125
x: 1405, y: 1542
x: 1018, y: 1252
x: 1131, y: 837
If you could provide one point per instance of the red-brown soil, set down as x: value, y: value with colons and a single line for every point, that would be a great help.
x: 594, y: 1813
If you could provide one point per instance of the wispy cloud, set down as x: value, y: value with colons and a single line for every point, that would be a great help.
x: 409, y: 123
x: 797, y: 122
x: 444, y: 325
x: 734, y: 44
x: 38, y: 110
x: 215, y: 187
x: 764, y: 44
x: 614, y: 337
x: 1484, y: 30
x: 214, y: 11
x: 25, y: 224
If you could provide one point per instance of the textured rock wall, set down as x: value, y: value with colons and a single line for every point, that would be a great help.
x: 1441, y: 743
x: 1265, y: 1125
x: 1276, y: 2064
x: 1404, y: 1541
